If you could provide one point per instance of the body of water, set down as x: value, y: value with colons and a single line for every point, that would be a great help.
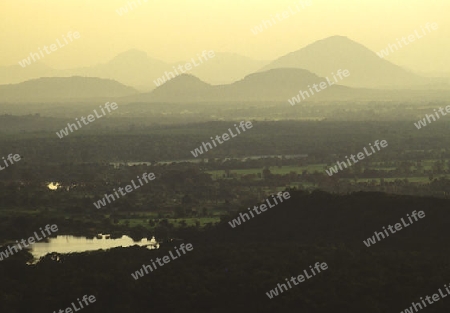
x: 70, y: 244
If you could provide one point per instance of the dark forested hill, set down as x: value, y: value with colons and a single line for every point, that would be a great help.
x: 334, y: 219
x: 230, y: 270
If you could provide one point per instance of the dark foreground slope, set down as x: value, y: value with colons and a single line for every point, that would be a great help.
x: 230, y: 270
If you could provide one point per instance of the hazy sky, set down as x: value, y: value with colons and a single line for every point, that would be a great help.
x: 173, y: 30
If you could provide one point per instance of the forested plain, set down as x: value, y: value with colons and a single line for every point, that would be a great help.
x: 192, y: 199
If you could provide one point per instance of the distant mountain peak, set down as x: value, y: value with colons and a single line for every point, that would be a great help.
x: 282, y: 72
x: 133, y: 55
x: 338, y: 43
x: 285, y: 75
x: 325, y: 56
x: 63, y: 88
x: 337, y: 37
x: 184, y: 81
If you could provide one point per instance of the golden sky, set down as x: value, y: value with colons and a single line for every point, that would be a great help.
x: 174, y: 30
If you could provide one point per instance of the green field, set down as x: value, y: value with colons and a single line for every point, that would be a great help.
x: 175, y: 221
x: 421, y: 179
x: 273, y: 169
x: 427, y: 165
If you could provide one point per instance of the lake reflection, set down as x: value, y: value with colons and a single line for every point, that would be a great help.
x: 69, y: 244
